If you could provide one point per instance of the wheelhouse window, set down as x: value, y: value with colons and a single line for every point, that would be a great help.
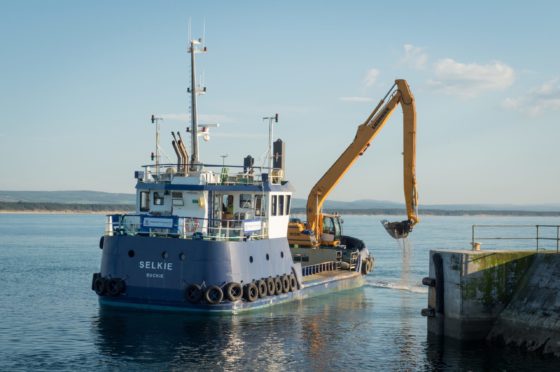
x: 274, y: 206
x: 258, y: 205
x: 144, y: 201
x: 281, y: 205
x: 177, y: 198
x: 245, y: 201
x: 158, y: 199
x: 288, y: 200
x: 227, y: 205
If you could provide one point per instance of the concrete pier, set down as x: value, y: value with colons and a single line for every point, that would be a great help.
x: 510, y: 297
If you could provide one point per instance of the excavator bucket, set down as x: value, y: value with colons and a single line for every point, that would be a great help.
x: 398, y: 230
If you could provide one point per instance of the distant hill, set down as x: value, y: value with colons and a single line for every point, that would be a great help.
x: 67, y: 197
x: 106, y: 198
x: 365, y: 204
x: 356, y: 204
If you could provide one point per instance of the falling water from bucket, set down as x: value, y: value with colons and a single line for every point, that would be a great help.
x: 405, y: 268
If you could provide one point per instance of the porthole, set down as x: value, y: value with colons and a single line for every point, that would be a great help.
x: 267, y: 257
x: 251, y: 259
x: 182, y: 256
x: 281, y: 254
x: 164, y: 255
x: 131, y: 253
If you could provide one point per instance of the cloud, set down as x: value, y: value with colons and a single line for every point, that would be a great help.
x: 356, y: 99
x: 371, y: 77
x: 545, y: 97
x: 471, y: 79
x: 414, y: 57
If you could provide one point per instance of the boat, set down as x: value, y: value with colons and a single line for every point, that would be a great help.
x: 213, y: 237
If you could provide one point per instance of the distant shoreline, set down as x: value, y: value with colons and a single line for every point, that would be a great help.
x: 61, y: 212
x: 72, y: 208
x: 62, y: 208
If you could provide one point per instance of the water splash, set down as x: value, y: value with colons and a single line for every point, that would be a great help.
x: 415, y: 288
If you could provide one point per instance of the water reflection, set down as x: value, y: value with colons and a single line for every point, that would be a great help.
x: 363, y: 329
x: 311, y: 333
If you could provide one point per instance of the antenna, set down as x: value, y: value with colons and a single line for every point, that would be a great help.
x: 224, y: 159
x: 204, y: 31
x: 156, y: 120
x: 195, y: 46
x: 190, y: 37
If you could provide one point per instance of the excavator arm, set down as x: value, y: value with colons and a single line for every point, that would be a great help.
x: 364, y: 136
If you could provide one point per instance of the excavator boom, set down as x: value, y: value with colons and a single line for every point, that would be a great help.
x: 364, y: 136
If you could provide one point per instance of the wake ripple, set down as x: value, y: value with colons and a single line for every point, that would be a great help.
x: 418, y: 288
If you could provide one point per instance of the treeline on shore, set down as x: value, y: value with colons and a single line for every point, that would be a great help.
x: 93, y: 208
x: 63, y: 207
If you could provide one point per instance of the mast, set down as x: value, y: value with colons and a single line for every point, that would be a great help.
x: 195, y: 47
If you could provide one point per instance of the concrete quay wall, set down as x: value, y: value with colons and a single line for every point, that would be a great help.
x: 503, y: 296
x: 531, y: 320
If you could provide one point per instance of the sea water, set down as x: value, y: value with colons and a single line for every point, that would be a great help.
x: 50, y: 318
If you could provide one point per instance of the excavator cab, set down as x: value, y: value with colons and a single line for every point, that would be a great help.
x: 332, y: 229
x: 398, y: 230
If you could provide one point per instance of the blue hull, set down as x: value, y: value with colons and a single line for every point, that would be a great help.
x: 157, y: 273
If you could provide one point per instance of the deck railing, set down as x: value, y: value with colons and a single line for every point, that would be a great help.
x: 539, y: 234
x: 320, y: 267
x: 213, y: 174
x: 186, y: 227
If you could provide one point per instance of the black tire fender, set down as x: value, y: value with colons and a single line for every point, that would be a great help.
x: 100, y: 286
x: 293, y: 283
x: 271, y: 286
x: 263, y: 288
x: 115, y: 286
x: 193, y: 293
x: 285, y: 283
x: 277, y: 285
x: 213, y: 295
x: 250, y: 292
x: 233, y: 291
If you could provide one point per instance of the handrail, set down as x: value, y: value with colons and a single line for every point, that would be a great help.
x: 220, y: 175
x: 537, y: 237
x: 187, y: 227
x: 320, y: 267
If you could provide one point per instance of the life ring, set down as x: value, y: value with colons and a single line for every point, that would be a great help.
x: 99, y: 286
x: 193, y: 293
x: 293, y: 283
x: 213, y: 295
x: 251, y: 292
x: 285, y: 284
x: 271, y: 287
x: 233, y: 291
x: 263, y: 288
x: 192, y: 225
x: 278, y: 285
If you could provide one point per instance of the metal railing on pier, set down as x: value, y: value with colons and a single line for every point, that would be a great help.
x: 541, y: 235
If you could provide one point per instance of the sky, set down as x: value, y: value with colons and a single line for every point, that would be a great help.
x: 79, y: 81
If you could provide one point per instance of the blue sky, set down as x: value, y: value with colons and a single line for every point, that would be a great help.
x: 79, y: 81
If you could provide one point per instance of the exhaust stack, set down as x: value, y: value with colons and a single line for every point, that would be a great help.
x: 180, y: 160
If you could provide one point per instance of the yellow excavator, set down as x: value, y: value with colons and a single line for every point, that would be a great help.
x: 325, y: 230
